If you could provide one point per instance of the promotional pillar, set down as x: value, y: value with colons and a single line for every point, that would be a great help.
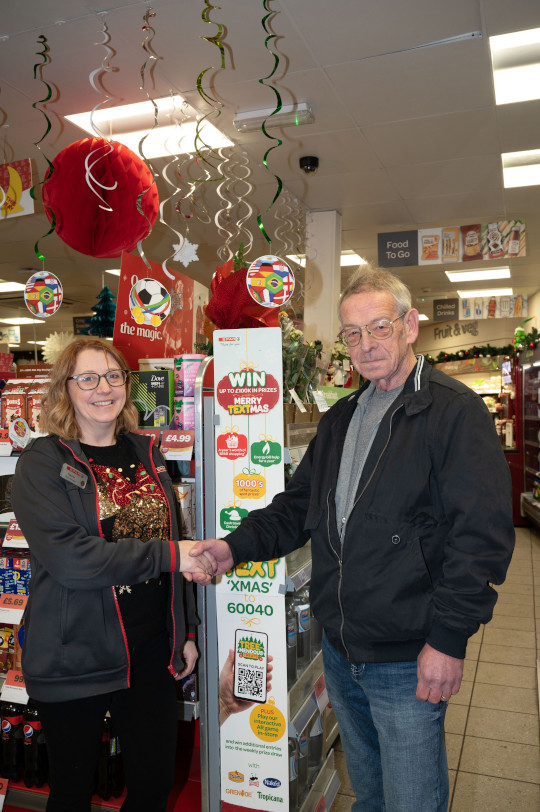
x: 250, y: 598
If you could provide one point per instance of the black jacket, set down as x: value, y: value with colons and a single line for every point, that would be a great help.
x: 430, y: 529
x: 75, y: 644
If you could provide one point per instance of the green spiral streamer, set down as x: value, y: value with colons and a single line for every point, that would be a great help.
x: 42, y: 40
x: 213, y: 103
x: 273, y: 113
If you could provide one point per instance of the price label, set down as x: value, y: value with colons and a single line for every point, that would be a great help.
x: 321, y: 693
x: 5, y: 445
x: 177, y: 445
x: 12, y: 608
x: 294, y: 394
x: 3, y: 790
x: 14, y: 538
x: 14, y: 689
x: 321, y: 805
x: 320, y: 400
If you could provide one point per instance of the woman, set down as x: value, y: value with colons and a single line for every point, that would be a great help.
x: 110, y: 620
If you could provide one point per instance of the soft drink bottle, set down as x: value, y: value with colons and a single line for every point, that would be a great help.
x: 103, y: 781
x: 315, y: 757
x: 303, y: 616
x: 292, y: 626
x: 12, y: 741
x: 36, y: 762
x: 116, y: 766
x: 293, y: 776
x: 303, y: 745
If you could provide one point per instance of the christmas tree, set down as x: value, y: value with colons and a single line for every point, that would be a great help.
x: 102, y: 323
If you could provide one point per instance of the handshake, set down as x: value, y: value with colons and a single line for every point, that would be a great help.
x: 201, y: 560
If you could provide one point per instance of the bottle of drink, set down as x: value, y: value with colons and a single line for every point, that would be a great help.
x: 103, y: 782
x: 36, y: 763
x: 302, y: 748
x: 12, y: 741
x: 316, y: 636
x: 292, y: 626
x: 303, y: 644
x: 116, y: 766
x: 315, y: 749
x: 293, y: 776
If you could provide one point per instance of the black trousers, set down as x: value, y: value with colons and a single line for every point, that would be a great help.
x: 146, y: 720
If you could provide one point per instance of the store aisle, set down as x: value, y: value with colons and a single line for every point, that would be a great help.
x: 492, y: 725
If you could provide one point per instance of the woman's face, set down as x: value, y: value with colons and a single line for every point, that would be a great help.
x: 96, y: 410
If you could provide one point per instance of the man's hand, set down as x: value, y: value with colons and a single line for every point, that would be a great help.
x: 189, y: 655
x: 200, y: 568
x: 439, y: 675
x: 217, y: 551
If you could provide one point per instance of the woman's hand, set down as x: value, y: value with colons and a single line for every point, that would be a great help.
x: 200, y: 568
x: 189, y: 656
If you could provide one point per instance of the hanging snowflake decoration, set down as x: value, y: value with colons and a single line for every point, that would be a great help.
x: 186, y: 253
x: 54, y: 344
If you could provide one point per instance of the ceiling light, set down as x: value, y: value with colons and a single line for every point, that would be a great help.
x: 36, y: 342
x: 469, y: 294
x: 294, y: 114
x: 23, y: 320
x: 115, y: 271
x: 175, y: 132
x: 521, y: 168
x: 350, y: 258
x: 515, y: 60
x: 347, y: 258
x: 477, y: 275
x: 11, y: 287
x: 423, y: 317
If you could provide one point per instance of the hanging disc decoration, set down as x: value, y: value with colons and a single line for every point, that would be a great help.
x: 149, y: 302
x: 270, y: 281
x: 94, y: 194
x: 43, y: 294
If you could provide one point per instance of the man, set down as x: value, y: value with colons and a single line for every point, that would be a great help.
x: 405, y: 494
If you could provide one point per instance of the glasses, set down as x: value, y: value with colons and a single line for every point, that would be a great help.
x: 379, y: 329
x: 90, y: 380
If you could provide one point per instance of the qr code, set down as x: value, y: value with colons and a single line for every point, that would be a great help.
x: 249, y: 681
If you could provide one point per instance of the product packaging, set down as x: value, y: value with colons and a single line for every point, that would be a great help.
x: 472, y: 250
x: 185, y: 493
x: 183, y: 414
x: 152, y: 394
x: 185, y: 372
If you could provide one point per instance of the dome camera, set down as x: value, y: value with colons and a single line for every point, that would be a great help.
x: 309, y: 163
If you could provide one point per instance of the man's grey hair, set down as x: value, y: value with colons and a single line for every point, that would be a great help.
x: 369, y: 278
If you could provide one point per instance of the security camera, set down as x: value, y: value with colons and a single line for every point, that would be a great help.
x: 309, y: 163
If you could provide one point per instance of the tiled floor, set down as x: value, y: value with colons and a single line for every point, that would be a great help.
x: 492, y: 725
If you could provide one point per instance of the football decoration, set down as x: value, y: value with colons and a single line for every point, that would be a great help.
x: 270, y: 281
x: 103, y: 197
x: 149, y: 302
x: 43, y: 294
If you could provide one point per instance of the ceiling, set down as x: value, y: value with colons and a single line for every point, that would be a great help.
x: 407, y: 133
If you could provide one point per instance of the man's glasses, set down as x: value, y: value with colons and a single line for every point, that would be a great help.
x: 90, y: 380
x: 379, y: 329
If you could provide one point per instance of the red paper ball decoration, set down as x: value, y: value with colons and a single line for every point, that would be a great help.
x: 106, y: 221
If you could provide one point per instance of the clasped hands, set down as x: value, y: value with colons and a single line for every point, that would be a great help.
x: 201, y: 560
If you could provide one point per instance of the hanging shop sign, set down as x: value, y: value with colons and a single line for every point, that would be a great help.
x: 445, y: 309
x: 473, y: 242
x: 250, y: 602
x: 156, y: 317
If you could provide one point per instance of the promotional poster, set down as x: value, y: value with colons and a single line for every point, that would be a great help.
x: 250, y: 598
x: 156, y: 317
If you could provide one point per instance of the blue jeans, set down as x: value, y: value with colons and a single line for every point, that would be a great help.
x: 394, y: 744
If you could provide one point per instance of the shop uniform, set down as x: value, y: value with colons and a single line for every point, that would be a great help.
x: 104, y: 617
x: 430, y: 529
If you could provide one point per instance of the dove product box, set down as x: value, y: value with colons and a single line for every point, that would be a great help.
x: 152, y: 393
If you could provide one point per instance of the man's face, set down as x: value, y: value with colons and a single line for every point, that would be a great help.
x: 386, y: 363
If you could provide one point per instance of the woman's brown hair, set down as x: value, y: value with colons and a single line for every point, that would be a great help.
x: 57, y: 412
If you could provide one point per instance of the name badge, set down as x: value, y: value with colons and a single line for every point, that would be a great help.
x: 73, y: 475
